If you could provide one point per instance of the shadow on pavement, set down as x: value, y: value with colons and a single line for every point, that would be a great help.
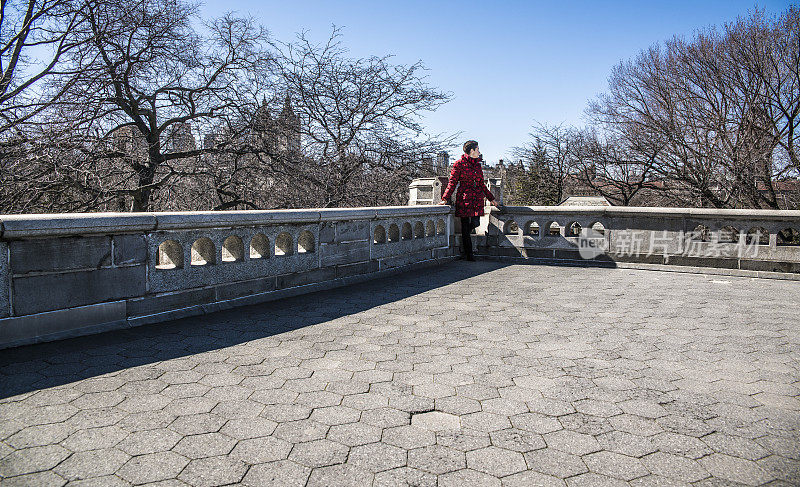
x: 29, y: 368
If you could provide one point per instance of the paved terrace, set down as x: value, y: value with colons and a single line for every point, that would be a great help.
x: 534, y: 375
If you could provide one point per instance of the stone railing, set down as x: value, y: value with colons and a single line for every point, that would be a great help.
x: 70, y: 274
x: 757, y: 243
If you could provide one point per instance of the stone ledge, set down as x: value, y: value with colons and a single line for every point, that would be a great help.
x: 638, y: 211
x: 644, y: 266
x: 62, y: 224
x: 63, y: 323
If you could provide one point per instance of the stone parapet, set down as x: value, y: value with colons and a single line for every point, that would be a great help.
x: 754, y: 240
x: 70, y: 274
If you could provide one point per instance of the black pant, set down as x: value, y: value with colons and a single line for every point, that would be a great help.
x: 467, y: 224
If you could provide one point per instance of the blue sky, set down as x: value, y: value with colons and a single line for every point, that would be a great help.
x: 508, y: 64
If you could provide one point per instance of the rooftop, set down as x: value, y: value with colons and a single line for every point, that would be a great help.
x: 465, y: 374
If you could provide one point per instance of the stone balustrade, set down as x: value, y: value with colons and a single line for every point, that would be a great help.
x: 69, y: 274
x: 757, y: 243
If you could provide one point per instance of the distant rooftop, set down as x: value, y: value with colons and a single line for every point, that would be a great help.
x: 585, y: 201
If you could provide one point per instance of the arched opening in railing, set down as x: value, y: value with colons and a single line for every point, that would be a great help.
x: 259, y: 247
x: 510, y: 227
x: 701, y: 233
x: 728, y: 234
x: 598, y: 227
x: 283, y: 244
x: 757, y: 236
x: 379, y: 235
x: 406, y: 233
x: 554, y: 229
x: 203, y: 252
x: 440, y: 227
x: 788, y: 237
x: 430, y: 229
x: 305, y: 242
x: 532, y: 229
x: 394, y: 233
x: 232, y: 249
x: 419, y: 230
x: 170, y: 255
x: 574, y: 229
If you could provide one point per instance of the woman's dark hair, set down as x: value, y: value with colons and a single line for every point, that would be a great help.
x: 469, y: 145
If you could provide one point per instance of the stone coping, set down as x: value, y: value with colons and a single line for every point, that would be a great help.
x: 65, y: 224
x: 637, y: 211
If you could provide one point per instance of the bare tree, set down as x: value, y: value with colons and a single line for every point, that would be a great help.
x: 152, y: 80
x: 615, y: 168
x: 551, y: 147
x: 356, y: 117
x: 35, y: 36
x: 721, y: 108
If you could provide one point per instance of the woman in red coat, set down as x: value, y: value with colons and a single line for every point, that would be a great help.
x: 467, y: 173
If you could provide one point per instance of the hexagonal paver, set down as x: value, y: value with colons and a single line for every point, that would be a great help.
x: 365, y: 401
x: 458, y: 405
x: 31, y: 460
x: 436, y: 421
x: 94, y: 438
x: 735, y: 469
x: 319, y: 453
x: 530, y: 478
x: 504, y: 406
x: 681, y: 445
x: 153, y: 467
x: 43, y: 479
x: 463, y: 439
x: 197, y: 424
x: 261, y: 450
x: 673, y: 466
x: 344, y: 474
x: 204, y: 445
x: 354, y: 434
x: 404, y: 476
x: 436, y: 459
x: 152, y: 441
x: 646, y: 409
x: 90, y: 464
x: 213, y: 471
x: 487, y: 422
x: 238, y: 409
x: 626, y: 443
x: 555, y: 463
x: 243, y: 429
x: 496, y: 461
x: 572, y: 442
x: 300, y: 431
x: 615, y: 465
x: 737, y: 446
x: 385, y: 417
x: 536, y: 423
x: 377, y: 457
x: 517, y: 440
x: 468, y: 477
x: 283, y: 473
x: 592, y: 479
x: 409, y: 437
x: 286, y: 412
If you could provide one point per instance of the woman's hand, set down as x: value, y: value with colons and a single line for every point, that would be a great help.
x: 443, y: 202
x: 495, y: 203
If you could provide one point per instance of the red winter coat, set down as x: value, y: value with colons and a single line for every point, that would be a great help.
x: 471, y: 190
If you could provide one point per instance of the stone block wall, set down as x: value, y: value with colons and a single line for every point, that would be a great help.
x: 65, y: 275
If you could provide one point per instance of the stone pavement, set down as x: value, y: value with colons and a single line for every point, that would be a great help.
x: 467, y: 374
